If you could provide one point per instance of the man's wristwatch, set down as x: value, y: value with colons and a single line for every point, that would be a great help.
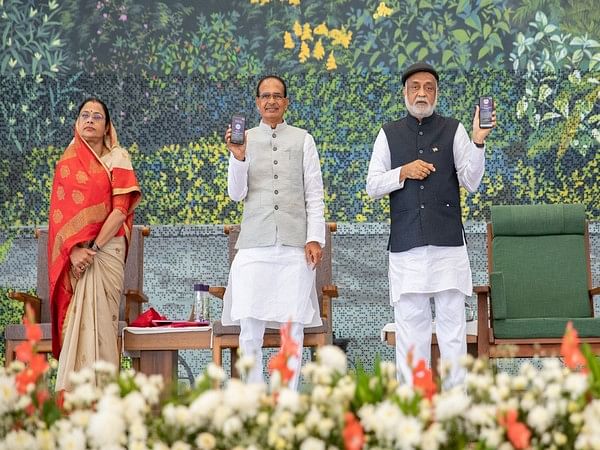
x: 95, y: 247
x: 478, y: 145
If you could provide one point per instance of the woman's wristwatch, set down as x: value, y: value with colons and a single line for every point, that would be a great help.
x: 95, y: 247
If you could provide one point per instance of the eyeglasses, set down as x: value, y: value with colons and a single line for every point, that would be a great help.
x: 96, y: 117
x: 266, y: 96
x: 429, y: 88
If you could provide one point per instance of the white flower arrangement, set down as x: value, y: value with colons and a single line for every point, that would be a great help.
x: 555, y: 407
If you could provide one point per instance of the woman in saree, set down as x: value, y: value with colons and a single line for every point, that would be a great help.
x: 94, y: 194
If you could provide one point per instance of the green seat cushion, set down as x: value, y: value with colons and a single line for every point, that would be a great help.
x: 550, y: 327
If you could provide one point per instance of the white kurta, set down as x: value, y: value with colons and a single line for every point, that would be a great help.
x: 275, y: 283
x: 427, y: 269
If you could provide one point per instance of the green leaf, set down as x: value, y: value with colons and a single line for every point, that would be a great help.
x: 422, y: 54
x: 483, y: 51
x: 461, y: 36
x: 462, y: 4
x: 411, y: 47
x: 473, y: 21
x: 446, y: 55
x: 374, y: 57
x: 401, y: 60
x: 487, y: 29
x: 494, y: 41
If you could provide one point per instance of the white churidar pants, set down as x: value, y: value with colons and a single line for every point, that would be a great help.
x: 412, y: 314
x: 251, y: 339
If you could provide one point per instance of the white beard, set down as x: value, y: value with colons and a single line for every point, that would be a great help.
x: 420, y: 111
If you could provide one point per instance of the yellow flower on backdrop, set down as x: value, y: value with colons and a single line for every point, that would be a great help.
x: 319, y: 51
x: 331, y: 65
x: 341, y: 37
x: 306, y: 32
x: 297, y: 29
x: 321, y: 30
x: 304, y: 52
x: 382, y: 11
x: 288, y: 42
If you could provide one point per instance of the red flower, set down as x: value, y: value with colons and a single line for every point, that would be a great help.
x: 353, y: 434
x: 24, y: 351
x: 33, y: 331
x: 279, y: 363
x: 38, y: 364
x: 288, y: 346
x: 570, y: 351
x: 35, y: 364
x: 24, y: 379
x: 423, y: 379
x: 289, y: 349
x: 517, y: 432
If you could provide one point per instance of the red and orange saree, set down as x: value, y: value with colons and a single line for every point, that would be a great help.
x: 82, y: 197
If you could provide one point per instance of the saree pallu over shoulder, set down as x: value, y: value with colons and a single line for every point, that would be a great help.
x: 80, y: 202
x: 123, y: 180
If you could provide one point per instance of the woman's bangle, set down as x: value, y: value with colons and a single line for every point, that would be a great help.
x: 95, y: 247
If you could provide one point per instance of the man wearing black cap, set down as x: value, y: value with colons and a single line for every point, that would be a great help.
x: 420, y: 161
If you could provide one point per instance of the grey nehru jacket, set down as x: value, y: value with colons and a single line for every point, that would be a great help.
x: 274, y: 207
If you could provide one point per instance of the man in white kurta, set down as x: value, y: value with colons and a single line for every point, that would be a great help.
x: 425, y: 259
x: 276, y: 172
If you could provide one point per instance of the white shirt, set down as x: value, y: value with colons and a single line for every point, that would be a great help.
x: 427, y: 269
x: 275, y: 284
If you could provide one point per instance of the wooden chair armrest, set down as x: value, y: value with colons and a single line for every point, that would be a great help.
x: 133, y: 295
x: 33, y: 301
x: 217, y: 291
x: 332, y: 226
x: 330, y: 290
x: 595, y: 291
x: 24, y: 297
x: 481, y: 290
x: 146, y: 231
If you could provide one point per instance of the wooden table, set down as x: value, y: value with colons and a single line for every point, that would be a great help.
x: 158, y: 349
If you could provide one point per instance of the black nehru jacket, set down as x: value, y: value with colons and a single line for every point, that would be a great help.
x: 425, y: 212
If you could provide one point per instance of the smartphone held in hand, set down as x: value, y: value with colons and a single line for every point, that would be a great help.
x: 486, y: 108
x: 238, y: 129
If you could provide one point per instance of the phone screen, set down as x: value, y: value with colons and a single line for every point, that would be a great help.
x: 238, y: 129
x: 486, y: 108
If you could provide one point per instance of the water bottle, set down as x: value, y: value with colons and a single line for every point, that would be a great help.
x: 198, y: 302
x: 205, y: 303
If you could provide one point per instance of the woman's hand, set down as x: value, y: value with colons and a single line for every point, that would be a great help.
x: 81, y: 259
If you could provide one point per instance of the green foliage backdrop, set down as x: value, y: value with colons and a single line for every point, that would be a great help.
x: 173, y: 72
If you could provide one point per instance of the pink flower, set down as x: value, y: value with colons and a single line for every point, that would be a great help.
x: 123, y: 17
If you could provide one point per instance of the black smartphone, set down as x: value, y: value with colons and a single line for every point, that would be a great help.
x: 486, y: 108
x: 238, y: 129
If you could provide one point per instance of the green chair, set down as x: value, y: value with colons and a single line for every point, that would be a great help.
x: 540, y: 278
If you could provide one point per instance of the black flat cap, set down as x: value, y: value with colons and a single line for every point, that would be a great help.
x: 419, y: 67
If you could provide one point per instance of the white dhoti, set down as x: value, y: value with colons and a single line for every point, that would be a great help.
x: 267, y: 287
x: 415, y: 276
